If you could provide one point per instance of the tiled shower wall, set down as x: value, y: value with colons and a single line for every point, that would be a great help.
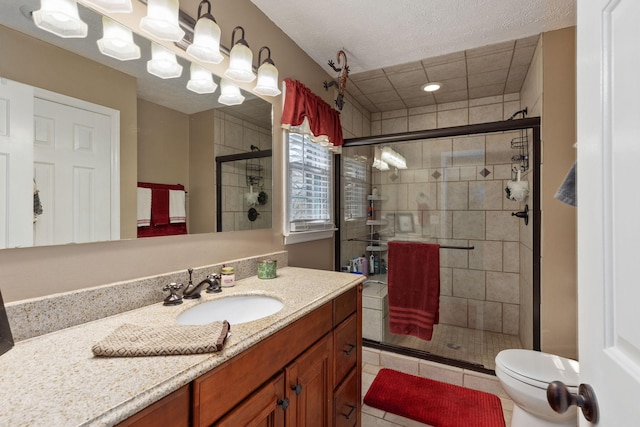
x: 454, y: 190
x: 235, y: 136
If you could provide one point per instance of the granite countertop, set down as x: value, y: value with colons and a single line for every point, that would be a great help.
x: 54, y: 379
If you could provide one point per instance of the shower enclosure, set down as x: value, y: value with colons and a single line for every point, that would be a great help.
x: 451, y: 193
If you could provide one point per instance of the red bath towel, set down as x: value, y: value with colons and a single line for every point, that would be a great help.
x: 159, y: 206
x: 414, y: 288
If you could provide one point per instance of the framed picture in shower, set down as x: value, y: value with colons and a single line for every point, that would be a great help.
x: 405, y: 223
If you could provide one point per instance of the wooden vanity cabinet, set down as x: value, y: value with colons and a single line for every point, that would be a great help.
x: 306, y: 375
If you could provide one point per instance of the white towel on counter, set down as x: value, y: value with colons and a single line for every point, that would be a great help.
x: 144, y: 207
x: 177, y: 211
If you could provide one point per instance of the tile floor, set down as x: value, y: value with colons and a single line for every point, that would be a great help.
x: 454, y: 342
x: 373, y: 360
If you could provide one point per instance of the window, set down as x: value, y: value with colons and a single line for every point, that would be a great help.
x: 355, y: 188
x: 309, y: 190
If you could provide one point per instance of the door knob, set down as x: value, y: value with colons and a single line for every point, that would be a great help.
x: 560, y: 399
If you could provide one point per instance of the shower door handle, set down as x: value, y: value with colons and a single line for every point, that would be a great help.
x: 560, y: 399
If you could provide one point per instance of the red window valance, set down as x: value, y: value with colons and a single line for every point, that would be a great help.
x: 322, y: 121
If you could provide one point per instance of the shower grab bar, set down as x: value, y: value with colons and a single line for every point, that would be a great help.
x: 465, y: 248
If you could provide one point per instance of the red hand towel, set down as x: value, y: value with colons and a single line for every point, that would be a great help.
x: 414, y: 288
x: 159, y: 206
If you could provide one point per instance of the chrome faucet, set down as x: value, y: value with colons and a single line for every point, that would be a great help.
x: 193, y: 292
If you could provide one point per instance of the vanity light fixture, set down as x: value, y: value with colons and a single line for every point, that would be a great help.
x: 161, y: 21
x: 61, y: 18
x: 393, y: 158
x: 163, y: 63
x: 378, y: 163
x: 111, y: 6
x: 431, y: 86
x: 267, y: 76
x: 240, y: 60
x: 117, y: 41
x: 201, y: 80
x: 229, y: 93
x: 206, y: 37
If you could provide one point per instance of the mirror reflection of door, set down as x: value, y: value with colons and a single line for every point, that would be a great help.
x: 68, y: 169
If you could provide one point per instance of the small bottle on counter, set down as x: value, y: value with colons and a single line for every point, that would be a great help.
x: 227, y: 277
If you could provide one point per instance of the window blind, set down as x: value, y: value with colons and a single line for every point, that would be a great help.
x: 355, y: 189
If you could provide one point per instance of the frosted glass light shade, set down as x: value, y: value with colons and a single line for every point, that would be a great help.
x: 113, y: 6
x: 393, y: 158
x: 117, y: 41
x: 201, y: 80
x: 229, y: 93
x: 267, y: 80
x: 61, y: 18
x: 163, y: 63
x: 240, y: 64
x: 206, y: 41
x: 161, y: 21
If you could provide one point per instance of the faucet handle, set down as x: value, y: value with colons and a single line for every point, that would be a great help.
x: 173, y: 298
x: 190, y: 271
x: 215, y: 286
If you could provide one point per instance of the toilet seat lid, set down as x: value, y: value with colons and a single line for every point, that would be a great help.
x: 538, y: 367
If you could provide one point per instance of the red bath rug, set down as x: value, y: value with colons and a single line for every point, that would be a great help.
x: 433, y: 402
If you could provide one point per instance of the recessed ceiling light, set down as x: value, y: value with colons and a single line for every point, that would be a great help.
x: 431, y: 87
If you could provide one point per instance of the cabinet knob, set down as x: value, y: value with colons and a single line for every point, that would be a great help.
x: 297, y: 388
x: 284, y: 403
x: 560, y: 399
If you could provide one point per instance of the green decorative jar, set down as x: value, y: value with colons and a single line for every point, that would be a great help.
x: 267, y: 269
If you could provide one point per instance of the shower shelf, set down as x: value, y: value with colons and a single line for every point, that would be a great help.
x: 377, y: 222
x: 380, y: 248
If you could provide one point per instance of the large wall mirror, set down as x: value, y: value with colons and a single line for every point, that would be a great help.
x: 124, y: 126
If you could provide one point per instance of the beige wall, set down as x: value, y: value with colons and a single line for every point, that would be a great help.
x: 30, y: 61
x: 163, y: 145
x: 201, y: 199
x: 559, y: 276
x: 35, y: 272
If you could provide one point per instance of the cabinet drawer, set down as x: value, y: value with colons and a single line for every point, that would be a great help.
x: 344, y: 305
x: 345, y: 348
x: 346, y: 403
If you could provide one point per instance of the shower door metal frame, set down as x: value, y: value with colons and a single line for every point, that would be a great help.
x: 532, y: 123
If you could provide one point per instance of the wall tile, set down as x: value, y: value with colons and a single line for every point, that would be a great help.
x: 486, y: 195
x: 394, y: 125
x: 453, y: 105
x: 455, y: 258
x: 501, y: 226
x: 453, y: 195
x: 453, y: 311
x: 469, y: 284
x: 485, y: 113
x: 511, y: 257
x: 453, y: 118
x: 446, y: 281
x: 422, y: 196
x: 440, y: 372
x: 485, y: 315
x: 497, y: 99
x: 451, y: 174
x: 399, y: 362
x: 511, y: 319
x: 469, y: 150
x: 483, y: 382
x: 437, y: 153
x: 468, y: 173
x: 423, y: 122
x: 486, y: 256
x: 469, y: 225
x: 503, y: 287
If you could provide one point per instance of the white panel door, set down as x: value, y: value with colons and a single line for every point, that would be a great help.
x: 72, y: 163
x: 608, y: 206
x: 16, y: 160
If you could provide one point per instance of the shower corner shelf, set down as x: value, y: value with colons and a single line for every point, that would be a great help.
x: 379, y: 248
x: 372, y: 197
x: 377, y: 222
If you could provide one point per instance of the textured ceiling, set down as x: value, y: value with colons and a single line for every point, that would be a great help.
x: 476, y: 48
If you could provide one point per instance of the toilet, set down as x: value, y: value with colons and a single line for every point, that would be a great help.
x: 525, y: 375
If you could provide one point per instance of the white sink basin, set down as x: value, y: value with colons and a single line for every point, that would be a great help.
x: 234, y: 309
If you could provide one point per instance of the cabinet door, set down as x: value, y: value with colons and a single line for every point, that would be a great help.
x: 346, y: 402
x: 171, y: 410
x: 264, y: 408
x: 310, y: 386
